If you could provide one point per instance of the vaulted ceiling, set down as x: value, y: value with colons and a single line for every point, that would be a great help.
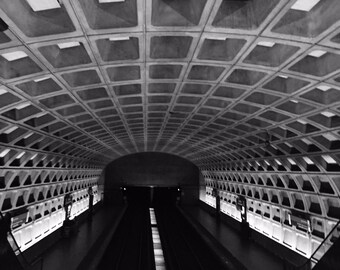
x: 248, y: 90
x: 206, y: 80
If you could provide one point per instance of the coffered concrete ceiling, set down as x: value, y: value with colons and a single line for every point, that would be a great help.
x: 209, y: 80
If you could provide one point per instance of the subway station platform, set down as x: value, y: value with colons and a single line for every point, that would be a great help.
x: 84, y: 248
x: 229, y: 243
x: 78, y: 251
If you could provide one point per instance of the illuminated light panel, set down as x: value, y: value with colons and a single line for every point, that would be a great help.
x: 3, y: 91
x: 266, y: 44
x: 303, y: 122
x: 20, y: 155
x: 328, y: 114
x: 12, y: 56
x: 304, y: 5
x: 10, y: 130
x: 291, y: 161
x: 330, y: 137
x: 110, y: 1
x: 294, y: 101
x: 40, y: 114
x: 68, y: 45
x: 288, y: 144
x: 217, y: 38
x: 41, y: 79
x: 28, y: 135
x: 33, y: 157
x: 306, y: 141
x: 283, y: 76
x: 4, y: 153
x: 329, y: 159
x: 278, y: 161
x: 308, y: 160
x: 23, y: 106
x: 324, y: 88
x: 119, y: 38
x: 317, y: 53
x: 40, y: 5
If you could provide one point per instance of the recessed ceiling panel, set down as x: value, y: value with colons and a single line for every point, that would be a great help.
x: 81, y: 78
x: 177, y: 12
x: 169, y: 46
x: 110, y: 15
x: 38, y: 23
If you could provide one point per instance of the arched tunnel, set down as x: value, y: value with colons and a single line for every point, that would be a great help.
x: 169, y: 134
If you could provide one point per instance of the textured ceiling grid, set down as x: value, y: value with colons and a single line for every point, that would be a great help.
x: 212, y: 81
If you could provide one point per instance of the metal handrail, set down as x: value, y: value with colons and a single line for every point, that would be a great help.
x: 308, y: 261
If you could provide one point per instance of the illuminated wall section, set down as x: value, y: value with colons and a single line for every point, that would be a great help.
x: 274, y: 196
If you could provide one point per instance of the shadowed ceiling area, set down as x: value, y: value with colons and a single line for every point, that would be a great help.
x: 247, y: 90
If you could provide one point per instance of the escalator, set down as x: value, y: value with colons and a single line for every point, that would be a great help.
x: 132, y: 246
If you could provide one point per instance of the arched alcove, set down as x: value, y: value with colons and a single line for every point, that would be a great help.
x: 151, y: 169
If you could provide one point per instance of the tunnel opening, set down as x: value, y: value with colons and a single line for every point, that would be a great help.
x: 151, y: 196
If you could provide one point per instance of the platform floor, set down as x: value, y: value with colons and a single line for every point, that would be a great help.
x: 69, y: 253
x: 251, y: 255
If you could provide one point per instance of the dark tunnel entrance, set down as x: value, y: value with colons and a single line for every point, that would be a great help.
x: 152, y: 196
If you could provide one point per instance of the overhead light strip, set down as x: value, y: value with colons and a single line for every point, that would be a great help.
x: 119, y: 38
x: 41, y: 5
x: 110, y: 1
x: 12, y: 56
x: 266, y: 43
x: 304, y: 5
x: 317, y: 53
x: 67, y: 45
x: 3, y: 91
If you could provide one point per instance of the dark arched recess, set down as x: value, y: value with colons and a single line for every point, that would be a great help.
x: 151, y: 169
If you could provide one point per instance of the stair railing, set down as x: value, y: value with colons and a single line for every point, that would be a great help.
x: 316, y: 256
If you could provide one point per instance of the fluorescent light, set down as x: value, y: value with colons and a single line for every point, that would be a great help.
x: 39, y: 5
x: 329, y: 159
x: 66, y: 45
x: 278, y: 161
x: 23, y: 105
x: 10, y: 130
x: 266, y: 43
x: 20, y: 155
x: 330, y: 137
x: 12, y: 56
x: 317, y: 53
x: 216, y: 38
x: 308, y: 160
x: 4, y: 153
x: 28, y: 135
x: 41, y: 79
x: 3, y: 91
x: 40, y: 114
x: 283, y: 76
x: 303, y: 122
x: 34, y: 156
x: 288, y: 144
x: 324, y: 88
x: 304, y: 5
x: 294, y: 101
x: 328, y: 114
x: 119, y: 38
x: 291, y: 161
x: 110, y: 1
x: 306, y: 141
